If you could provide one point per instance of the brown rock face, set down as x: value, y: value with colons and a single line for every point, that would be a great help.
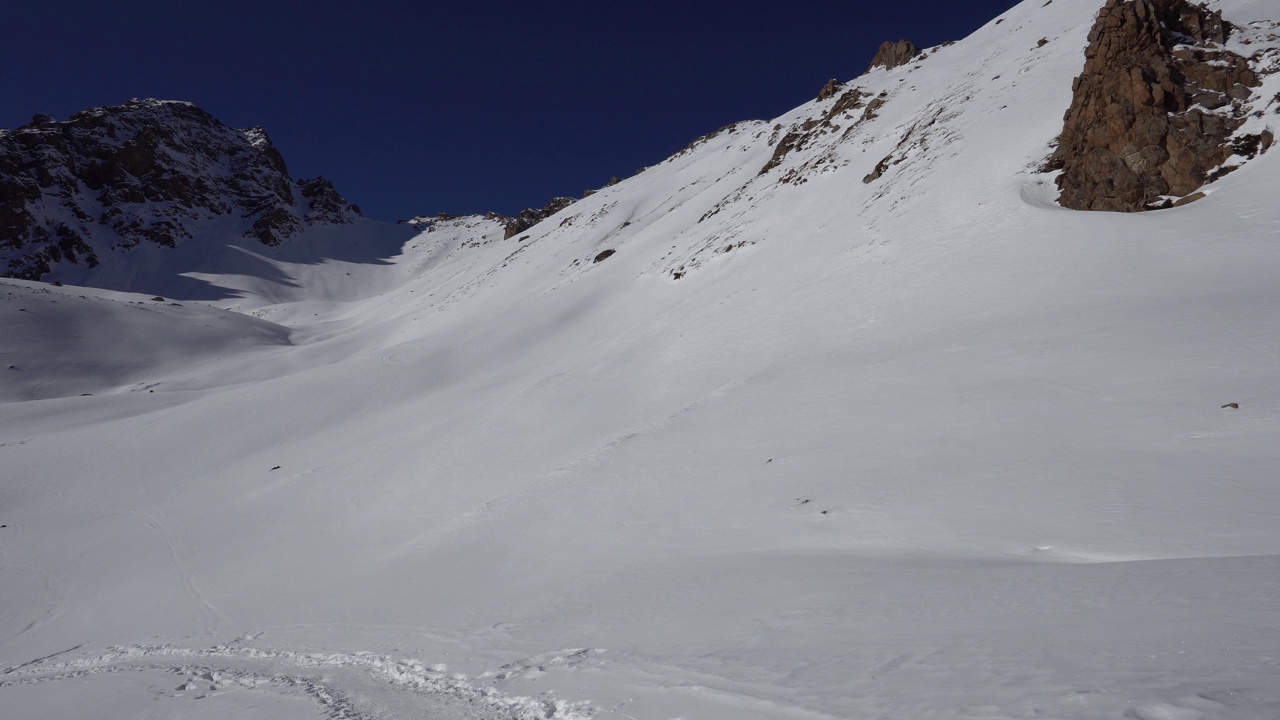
x: 893, y: 54
x: 829, y: 90
x: 1154, y: 110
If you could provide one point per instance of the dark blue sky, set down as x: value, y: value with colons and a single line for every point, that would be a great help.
x: 418, y: 107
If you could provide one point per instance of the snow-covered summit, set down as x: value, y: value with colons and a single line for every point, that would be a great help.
x: 91, y: 189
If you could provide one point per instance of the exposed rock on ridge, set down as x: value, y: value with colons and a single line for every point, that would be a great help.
x: 830, y: 90
x: 148, y: 171
x: 1154, y: 110
x: 894, y: 54
x: 530, y: 217
x: 511, y: 226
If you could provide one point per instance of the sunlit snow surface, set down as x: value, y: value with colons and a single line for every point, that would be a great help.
x: 927, y: 447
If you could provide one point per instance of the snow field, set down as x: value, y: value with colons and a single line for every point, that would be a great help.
x: 928, y: 446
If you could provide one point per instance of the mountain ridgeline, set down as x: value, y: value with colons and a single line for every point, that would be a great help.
x: 109, y: 179
x: 890, y: 385
x: 1161, y: 108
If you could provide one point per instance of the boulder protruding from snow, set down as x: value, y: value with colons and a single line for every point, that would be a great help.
x: 1154, y: 110
x: 894, y: 54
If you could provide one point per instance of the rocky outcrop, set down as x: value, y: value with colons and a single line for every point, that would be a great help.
x: 830, y: 90
x: 894, y: 54
x: 801, y: 134
x: 110, y: 179
x: 324, y: 205
x: 1153, y: 113
x: 528, y: 218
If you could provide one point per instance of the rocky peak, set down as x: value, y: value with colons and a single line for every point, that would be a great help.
x: 261, y: 142
x: 325, y: 205
x: 109, y: 179
x: 894, y: 54
x: 1154, y: 110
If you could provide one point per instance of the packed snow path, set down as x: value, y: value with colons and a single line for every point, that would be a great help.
x: 1152, y: 640
x: 237, y: 680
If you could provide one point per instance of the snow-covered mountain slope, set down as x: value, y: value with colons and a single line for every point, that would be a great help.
x: 710, y: 443
x: 64, y: 341
x: 119, y: 185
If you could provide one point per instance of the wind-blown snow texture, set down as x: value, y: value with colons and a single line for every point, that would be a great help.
x: 925, y: 446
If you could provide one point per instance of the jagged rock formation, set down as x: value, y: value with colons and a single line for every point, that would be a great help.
x: 801, y: 134
x: 530, y: 217
x: 893, y: 54
x: 830, y: 90
x: 1155, y: 108
x: 512, y: 226
x: 148, y: 171
x: 325, y: 204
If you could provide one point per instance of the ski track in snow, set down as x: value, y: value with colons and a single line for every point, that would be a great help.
x: 214, y: 670
x: 210, y: 617
x: 52, y: 599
